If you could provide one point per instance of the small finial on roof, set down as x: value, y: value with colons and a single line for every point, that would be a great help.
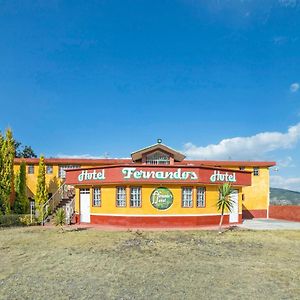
x: 159, y: 141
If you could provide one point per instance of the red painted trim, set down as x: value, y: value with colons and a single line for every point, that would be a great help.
x: 116, y: 161
x: 160, y: 222
x: 137, y: 155
x: 145, y: 154
x: 289, y: 212
x: 114, y: 175
x: 230, y: 163
x: 80, y: 161
x: 255, y: 213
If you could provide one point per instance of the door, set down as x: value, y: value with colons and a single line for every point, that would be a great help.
x: 234, y: 214
x: 85, y: 206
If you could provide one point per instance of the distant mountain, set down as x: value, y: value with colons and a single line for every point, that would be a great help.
x: 284, y: 197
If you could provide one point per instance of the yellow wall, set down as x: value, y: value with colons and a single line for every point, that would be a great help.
x: 52, y: 180
x: 255, y: 196
x: 108, y: 202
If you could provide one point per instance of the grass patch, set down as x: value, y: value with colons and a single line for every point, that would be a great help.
x: 90, y: 264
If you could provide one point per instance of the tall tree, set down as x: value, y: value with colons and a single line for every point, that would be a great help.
x: 24, y: 151
x: 224, y: 203
x: 21, y: 204
x: 1, y: 164
x: 41, y: 195
x: 6, y: 171
x: 28, y: 152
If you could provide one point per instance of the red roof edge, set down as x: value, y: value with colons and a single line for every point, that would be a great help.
x: 231, y: 163
x: 84, y: 161
x: 114, y: 161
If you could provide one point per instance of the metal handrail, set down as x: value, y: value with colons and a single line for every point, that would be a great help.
x: 57, y: 191
x: 70, y: 210
x: 50, y: 200
x: 54, y: 201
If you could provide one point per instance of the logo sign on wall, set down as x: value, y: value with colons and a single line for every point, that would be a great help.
x: 161, y: 198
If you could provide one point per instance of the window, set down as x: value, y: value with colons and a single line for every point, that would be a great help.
x: 256, y: 171
x: 187, y: 197
x: 121, y: 196
x: 242, y: 168
x: 158, y: 158
x: 84, y: 191
x: 200, y: 197
x: 97, y: 197
x: 135, y: 197
x: 49, y: 169
x: 30, y: 169
x: 61, y: 170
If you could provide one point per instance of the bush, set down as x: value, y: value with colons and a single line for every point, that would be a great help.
x: 16, y: 220
x: 26, y: 220
x: 10, y: 220
x: 60, y: 218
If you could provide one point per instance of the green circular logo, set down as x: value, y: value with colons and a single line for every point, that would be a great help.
x: 161, y: 198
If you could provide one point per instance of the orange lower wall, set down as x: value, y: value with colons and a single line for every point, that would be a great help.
x: 255, y: 213
x: 289, y: 212
x: 159, y: 221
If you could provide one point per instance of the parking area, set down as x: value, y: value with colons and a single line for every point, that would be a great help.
x: 269, y: 224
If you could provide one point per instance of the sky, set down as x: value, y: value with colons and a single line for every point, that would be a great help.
x: 213, y: 79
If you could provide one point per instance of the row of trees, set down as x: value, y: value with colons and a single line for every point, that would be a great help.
x: 13, y: 189
x: 7, y: 154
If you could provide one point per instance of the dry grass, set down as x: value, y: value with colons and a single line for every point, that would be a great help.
x: 39, y: 263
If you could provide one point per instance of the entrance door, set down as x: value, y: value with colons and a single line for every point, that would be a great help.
x: 85, y: 206
x: 234, y: 215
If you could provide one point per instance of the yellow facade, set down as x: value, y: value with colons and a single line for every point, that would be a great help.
x: 108, y: 201
x: 254, y: 197
x: 52, y: 180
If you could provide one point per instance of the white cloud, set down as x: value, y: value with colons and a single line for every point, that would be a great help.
x: 280, y: 40
x: 246, y: 148
x: 288, y: 3
x: 294, y: 87
x: 292, y: 183
x: 286, y: 162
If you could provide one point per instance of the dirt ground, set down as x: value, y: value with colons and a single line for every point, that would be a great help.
x: 42, y: 263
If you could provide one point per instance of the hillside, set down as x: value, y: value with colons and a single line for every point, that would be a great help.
x: 284, y: 197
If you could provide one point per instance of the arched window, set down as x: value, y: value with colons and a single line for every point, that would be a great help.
x: 158, y: 158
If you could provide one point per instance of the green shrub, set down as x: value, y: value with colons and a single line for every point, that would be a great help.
x: 16, y: 220
x: 26, y: 220
x: 10, y: 220
x: 60, y: 218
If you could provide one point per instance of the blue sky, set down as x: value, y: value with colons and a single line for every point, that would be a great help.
x: 95, y: 77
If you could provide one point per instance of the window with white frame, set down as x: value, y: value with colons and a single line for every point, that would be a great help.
x: 84, y: 191
x: 135, y: 197
x: 201, y: 197
x: 256, y: 171
x: 158, y: 158
x: 187, y: 197
x: 121, y: 196
x: 62, y: 168
x: 96, y: 197
x: 30, y: 169
x: 49, y: 169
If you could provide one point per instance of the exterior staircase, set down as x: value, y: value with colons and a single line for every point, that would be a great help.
x: 64, y: 198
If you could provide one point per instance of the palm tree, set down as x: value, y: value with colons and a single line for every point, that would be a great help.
x: 60, y: 218
x: 224, y: 202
